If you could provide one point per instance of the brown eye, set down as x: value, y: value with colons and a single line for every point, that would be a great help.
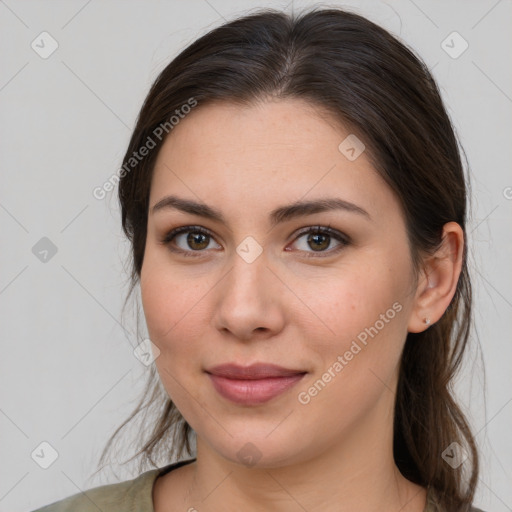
x: 319, y: 239
x: 200, y: 239
x: 193, y: 239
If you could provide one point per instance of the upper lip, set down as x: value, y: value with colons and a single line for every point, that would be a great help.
x: 252, y: 372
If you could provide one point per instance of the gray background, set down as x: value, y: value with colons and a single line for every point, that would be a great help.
x: 69, y: 375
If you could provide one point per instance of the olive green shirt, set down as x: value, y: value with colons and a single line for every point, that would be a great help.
x: 137, y: 496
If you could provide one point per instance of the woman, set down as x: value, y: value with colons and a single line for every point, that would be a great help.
x: 296, y: 203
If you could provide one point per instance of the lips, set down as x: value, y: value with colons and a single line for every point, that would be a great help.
x: 255, y: 384
x: 252, y: 372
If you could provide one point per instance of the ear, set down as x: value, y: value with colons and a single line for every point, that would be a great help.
x: 438, y: 280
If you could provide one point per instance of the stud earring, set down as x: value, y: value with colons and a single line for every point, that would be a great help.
x: 427, y: 321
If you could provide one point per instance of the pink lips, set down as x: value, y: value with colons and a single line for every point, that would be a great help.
x: 255, y: 384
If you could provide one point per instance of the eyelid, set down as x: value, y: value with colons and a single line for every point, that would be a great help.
x: 185, y: 229
x: 322, y: 229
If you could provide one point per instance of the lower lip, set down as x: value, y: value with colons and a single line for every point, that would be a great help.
x: 252, y: 392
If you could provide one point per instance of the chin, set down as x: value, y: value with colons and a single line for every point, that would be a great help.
x: 259, y: 452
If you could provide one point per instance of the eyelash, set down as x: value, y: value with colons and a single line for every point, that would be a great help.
x: 316, y: 230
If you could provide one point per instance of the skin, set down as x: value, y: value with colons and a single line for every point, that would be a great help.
x: 335, y: 452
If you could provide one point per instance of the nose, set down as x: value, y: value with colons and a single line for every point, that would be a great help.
x: 250, y: 299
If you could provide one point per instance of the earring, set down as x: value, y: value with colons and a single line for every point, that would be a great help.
x: 427, y: 321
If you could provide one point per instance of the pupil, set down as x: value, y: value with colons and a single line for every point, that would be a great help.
x: 195, y: 238
x: 316, y: 237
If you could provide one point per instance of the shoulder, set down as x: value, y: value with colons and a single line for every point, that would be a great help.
x: 135, y: 494
x: 433, y: 504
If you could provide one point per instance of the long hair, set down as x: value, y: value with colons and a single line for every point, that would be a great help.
x: 374, y: 84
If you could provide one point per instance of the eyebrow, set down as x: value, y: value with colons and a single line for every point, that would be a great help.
x: 279, y: 215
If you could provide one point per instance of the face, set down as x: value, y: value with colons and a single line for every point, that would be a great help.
x: 324, y: 293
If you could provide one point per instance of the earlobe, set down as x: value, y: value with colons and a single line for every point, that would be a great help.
x: 438, y: 281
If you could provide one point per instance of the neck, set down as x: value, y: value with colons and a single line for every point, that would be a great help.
x: 357, y: 474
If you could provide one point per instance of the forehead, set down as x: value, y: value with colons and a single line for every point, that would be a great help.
x: 263, y: 154
x: 280, y: 124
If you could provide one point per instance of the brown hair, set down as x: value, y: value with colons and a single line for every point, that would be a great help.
x: 371, y: 82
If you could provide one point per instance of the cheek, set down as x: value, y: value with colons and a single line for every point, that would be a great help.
x: 356, y: 364
x: 169, y: 300
x: 365, y: 312
x: 355, y: 299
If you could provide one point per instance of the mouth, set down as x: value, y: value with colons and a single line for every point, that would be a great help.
x: 252, y: 385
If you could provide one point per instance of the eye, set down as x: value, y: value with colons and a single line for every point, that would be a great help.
x: 319, y: 239
x: 195, y: 239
